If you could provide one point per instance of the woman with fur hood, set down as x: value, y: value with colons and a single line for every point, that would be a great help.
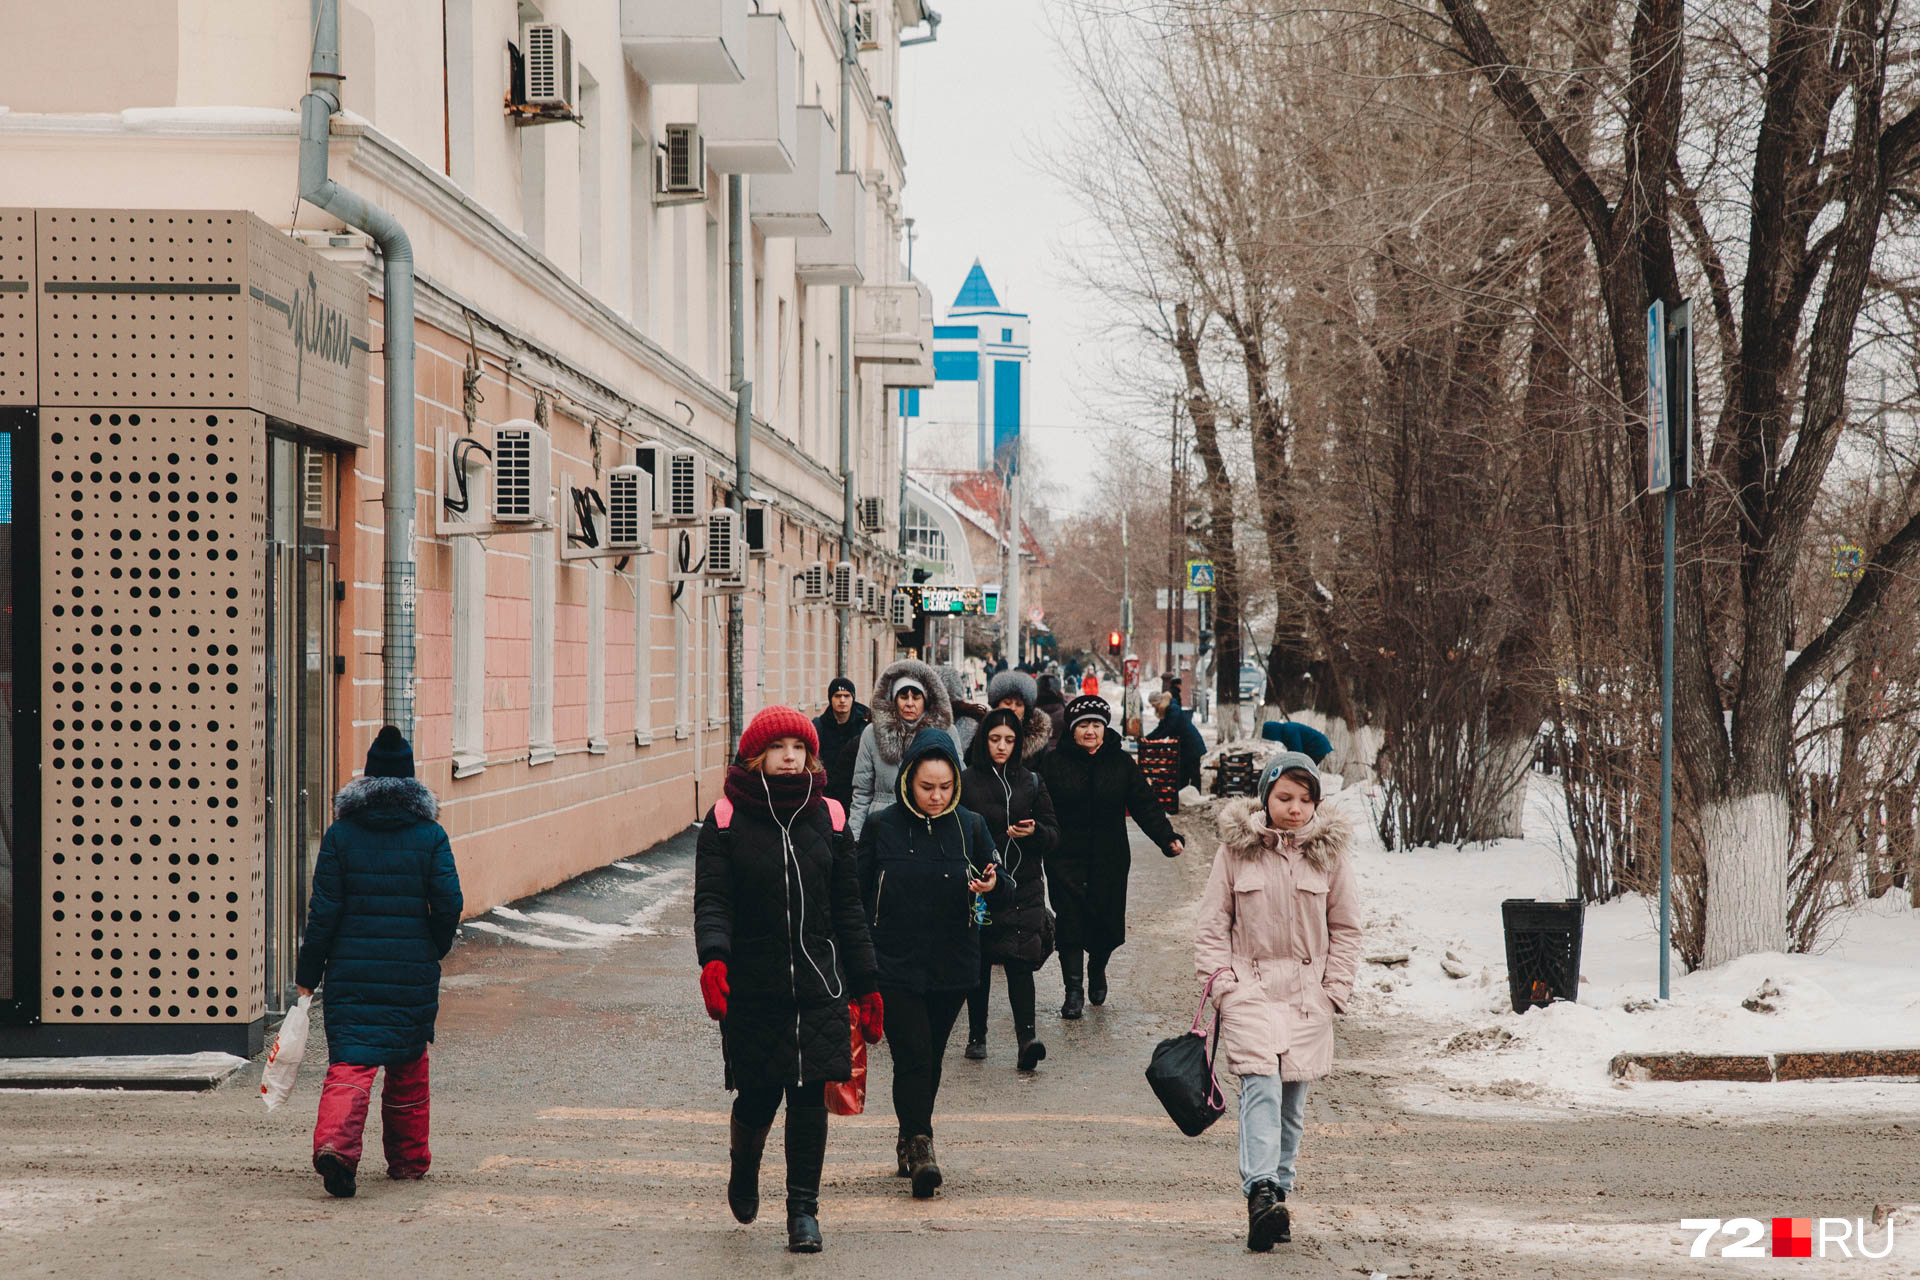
x: 386, y: 905
x: 967, y: 714
x: 1019, y: 693
x: 909, y: 696
x: 1278, y: 942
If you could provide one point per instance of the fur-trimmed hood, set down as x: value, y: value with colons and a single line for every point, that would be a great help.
x: 890, y: 734
x: 1324, y: 841
x: 385, y: 802
x: 1039, y: 733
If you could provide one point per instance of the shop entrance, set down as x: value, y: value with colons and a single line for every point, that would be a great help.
x: 20, y: 723
x: 302, y: 554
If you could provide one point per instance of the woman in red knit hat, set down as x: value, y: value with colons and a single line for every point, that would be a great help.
x: 784, y: 950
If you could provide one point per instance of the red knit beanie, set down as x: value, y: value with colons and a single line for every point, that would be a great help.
x: 777, y: 722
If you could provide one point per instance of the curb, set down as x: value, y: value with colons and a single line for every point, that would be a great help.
x: 1767, y: 1068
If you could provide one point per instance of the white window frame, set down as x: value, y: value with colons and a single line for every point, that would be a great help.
x: 540, y: 749
x: 469, y: 618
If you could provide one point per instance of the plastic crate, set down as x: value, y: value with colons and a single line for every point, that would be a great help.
x: 1543, y: 950
x: 1160, y: 763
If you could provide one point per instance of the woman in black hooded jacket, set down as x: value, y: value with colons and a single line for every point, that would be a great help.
x: 923, y: 863
x: 1014, y: 802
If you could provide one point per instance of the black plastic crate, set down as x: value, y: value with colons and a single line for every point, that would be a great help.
x: 1160, y: 763
x: 1543, y: 950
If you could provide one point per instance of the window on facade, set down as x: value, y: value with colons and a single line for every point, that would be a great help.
x: 460, y: 112
x: 716, y: 303
x: 533, y: 185
x: 683, y: 660
x: 924, y: 537
x: 540, y: 679
x: 642, y: 650
x: 596, y: 657
x: 640, y: 230
x: 469, y: 656
x: 592, y: 216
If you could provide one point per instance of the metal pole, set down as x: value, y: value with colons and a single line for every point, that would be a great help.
x: 900, y: 512
x: 1666, y: 752
x: 742, y: 439
x: 847, y: 56
x: 1010, y: 592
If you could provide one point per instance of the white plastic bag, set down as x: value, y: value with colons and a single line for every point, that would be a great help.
x: 283, y: 1062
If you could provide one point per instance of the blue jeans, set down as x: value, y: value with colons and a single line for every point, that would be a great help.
x: 1272, y: 1113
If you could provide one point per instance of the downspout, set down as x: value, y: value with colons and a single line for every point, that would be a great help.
x: 742, y: 440
x: 396, y: 254
x: 847, y: 56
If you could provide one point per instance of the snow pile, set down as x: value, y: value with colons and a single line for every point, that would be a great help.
x: 1441, y: 908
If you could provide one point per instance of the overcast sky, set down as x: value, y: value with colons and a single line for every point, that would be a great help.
x: 980, y: 106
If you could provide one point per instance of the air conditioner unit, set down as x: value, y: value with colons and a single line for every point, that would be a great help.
x: 843, y: 585
x: 860, y: 586
x: 680, y: 166
x: 724, y: 545
x: 651, y: 457
x: 754, y: 531
x: 522, y: 459
x: 813, y: 583
x: 866, y: 27
x: 544, y: 88
x: 902, y: 609
x: 683, y: 495
x: 630, y: 508
x: 873, y: 515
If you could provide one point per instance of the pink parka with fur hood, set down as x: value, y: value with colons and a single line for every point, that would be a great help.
x: 1285, y: 925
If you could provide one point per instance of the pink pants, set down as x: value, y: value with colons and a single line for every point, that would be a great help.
x: 344, y: 1100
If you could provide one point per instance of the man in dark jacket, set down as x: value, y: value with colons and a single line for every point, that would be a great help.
x: 1095, y: 785
x: 386, y: 904
x: 1176, y: 724
x: 923, y: 860
x: 839, y: 727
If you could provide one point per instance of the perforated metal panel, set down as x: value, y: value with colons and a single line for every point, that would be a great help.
x: 153, y: 688
x: 18, y: 383
x: 143, y: 308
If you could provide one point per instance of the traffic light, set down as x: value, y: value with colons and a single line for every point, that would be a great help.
x: 1115, y: 642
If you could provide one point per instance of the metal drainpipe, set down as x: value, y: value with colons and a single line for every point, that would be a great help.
x: 847, y: 56
x: 396, y: 254
x: 742, y: 440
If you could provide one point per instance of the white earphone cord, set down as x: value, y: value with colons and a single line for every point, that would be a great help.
x: 835, y: 991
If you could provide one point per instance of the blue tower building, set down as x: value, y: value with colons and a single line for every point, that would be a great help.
x: 980, y: 357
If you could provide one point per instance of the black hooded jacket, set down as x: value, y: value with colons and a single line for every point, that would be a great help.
x: 1004, y: 794
x: 914, y: 869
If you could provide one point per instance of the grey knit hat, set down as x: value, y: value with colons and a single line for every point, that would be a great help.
x: 1286, y: 762
x: 1013, y: 684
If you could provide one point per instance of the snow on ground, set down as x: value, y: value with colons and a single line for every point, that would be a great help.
x: 1861, y: 991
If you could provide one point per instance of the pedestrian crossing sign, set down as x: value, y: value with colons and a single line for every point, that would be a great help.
x: 1199, y: 575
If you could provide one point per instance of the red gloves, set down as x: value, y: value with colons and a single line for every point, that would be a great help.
x: 713, y: 988
x: 869, y: 1018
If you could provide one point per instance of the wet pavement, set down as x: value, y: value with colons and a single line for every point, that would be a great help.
x: 579, y: 1129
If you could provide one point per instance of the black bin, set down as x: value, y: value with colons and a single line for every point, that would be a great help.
x: 1543, y: 950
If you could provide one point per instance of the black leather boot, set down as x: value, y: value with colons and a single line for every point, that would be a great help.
x: 744, y: 1147
x: 1096, y: 981
x: 806, y: 1153
x: 1267, y: 1222
x: 1075, y: 1005
x: 1032, y: 1052
x: 900, y: 1154
x: 922, y: 1167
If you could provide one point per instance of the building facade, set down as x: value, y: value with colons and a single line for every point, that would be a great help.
x: 979, y: 398
x: 562, y: 172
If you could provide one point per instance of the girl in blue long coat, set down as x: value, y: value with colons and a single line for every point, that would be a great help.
x: 386, y: 903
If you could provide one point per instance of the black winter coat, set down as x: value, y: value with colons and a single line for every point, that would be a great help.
x: 913, y: 880
x: 1092, y: 795
x: 1003, y: 795
x: 835, y: 739
x: 386, y: 904
x: 793, y: 939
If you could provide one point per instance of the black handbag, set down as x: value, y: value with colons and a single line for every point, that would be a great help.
x: 1181, y: 1073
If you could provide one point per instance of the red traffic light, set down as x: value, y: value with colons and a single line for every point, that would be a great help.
x: 1114, y: 641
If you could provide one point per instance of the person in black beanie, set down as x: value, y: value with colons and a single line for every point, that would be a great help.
x: 1095, y: 785
x: 386, y: 904
x: 838, y: 728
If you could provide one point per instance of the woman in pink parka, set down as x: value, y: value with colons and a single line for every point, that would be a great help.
x: 1279, y: 934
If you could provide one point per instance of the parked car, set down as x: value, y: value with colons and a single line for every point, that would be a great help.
x: 1253, y: 682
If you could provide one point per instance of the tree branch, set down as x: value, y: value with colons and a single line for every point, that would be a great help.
x: 1882, y: 571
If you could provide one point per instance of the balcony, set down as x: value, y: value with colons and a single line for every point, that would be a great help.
x: 686, y: 41
x: 893, y: 328
x: 839, y: 258
x: 753, y: 126
x: 800, y: 204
